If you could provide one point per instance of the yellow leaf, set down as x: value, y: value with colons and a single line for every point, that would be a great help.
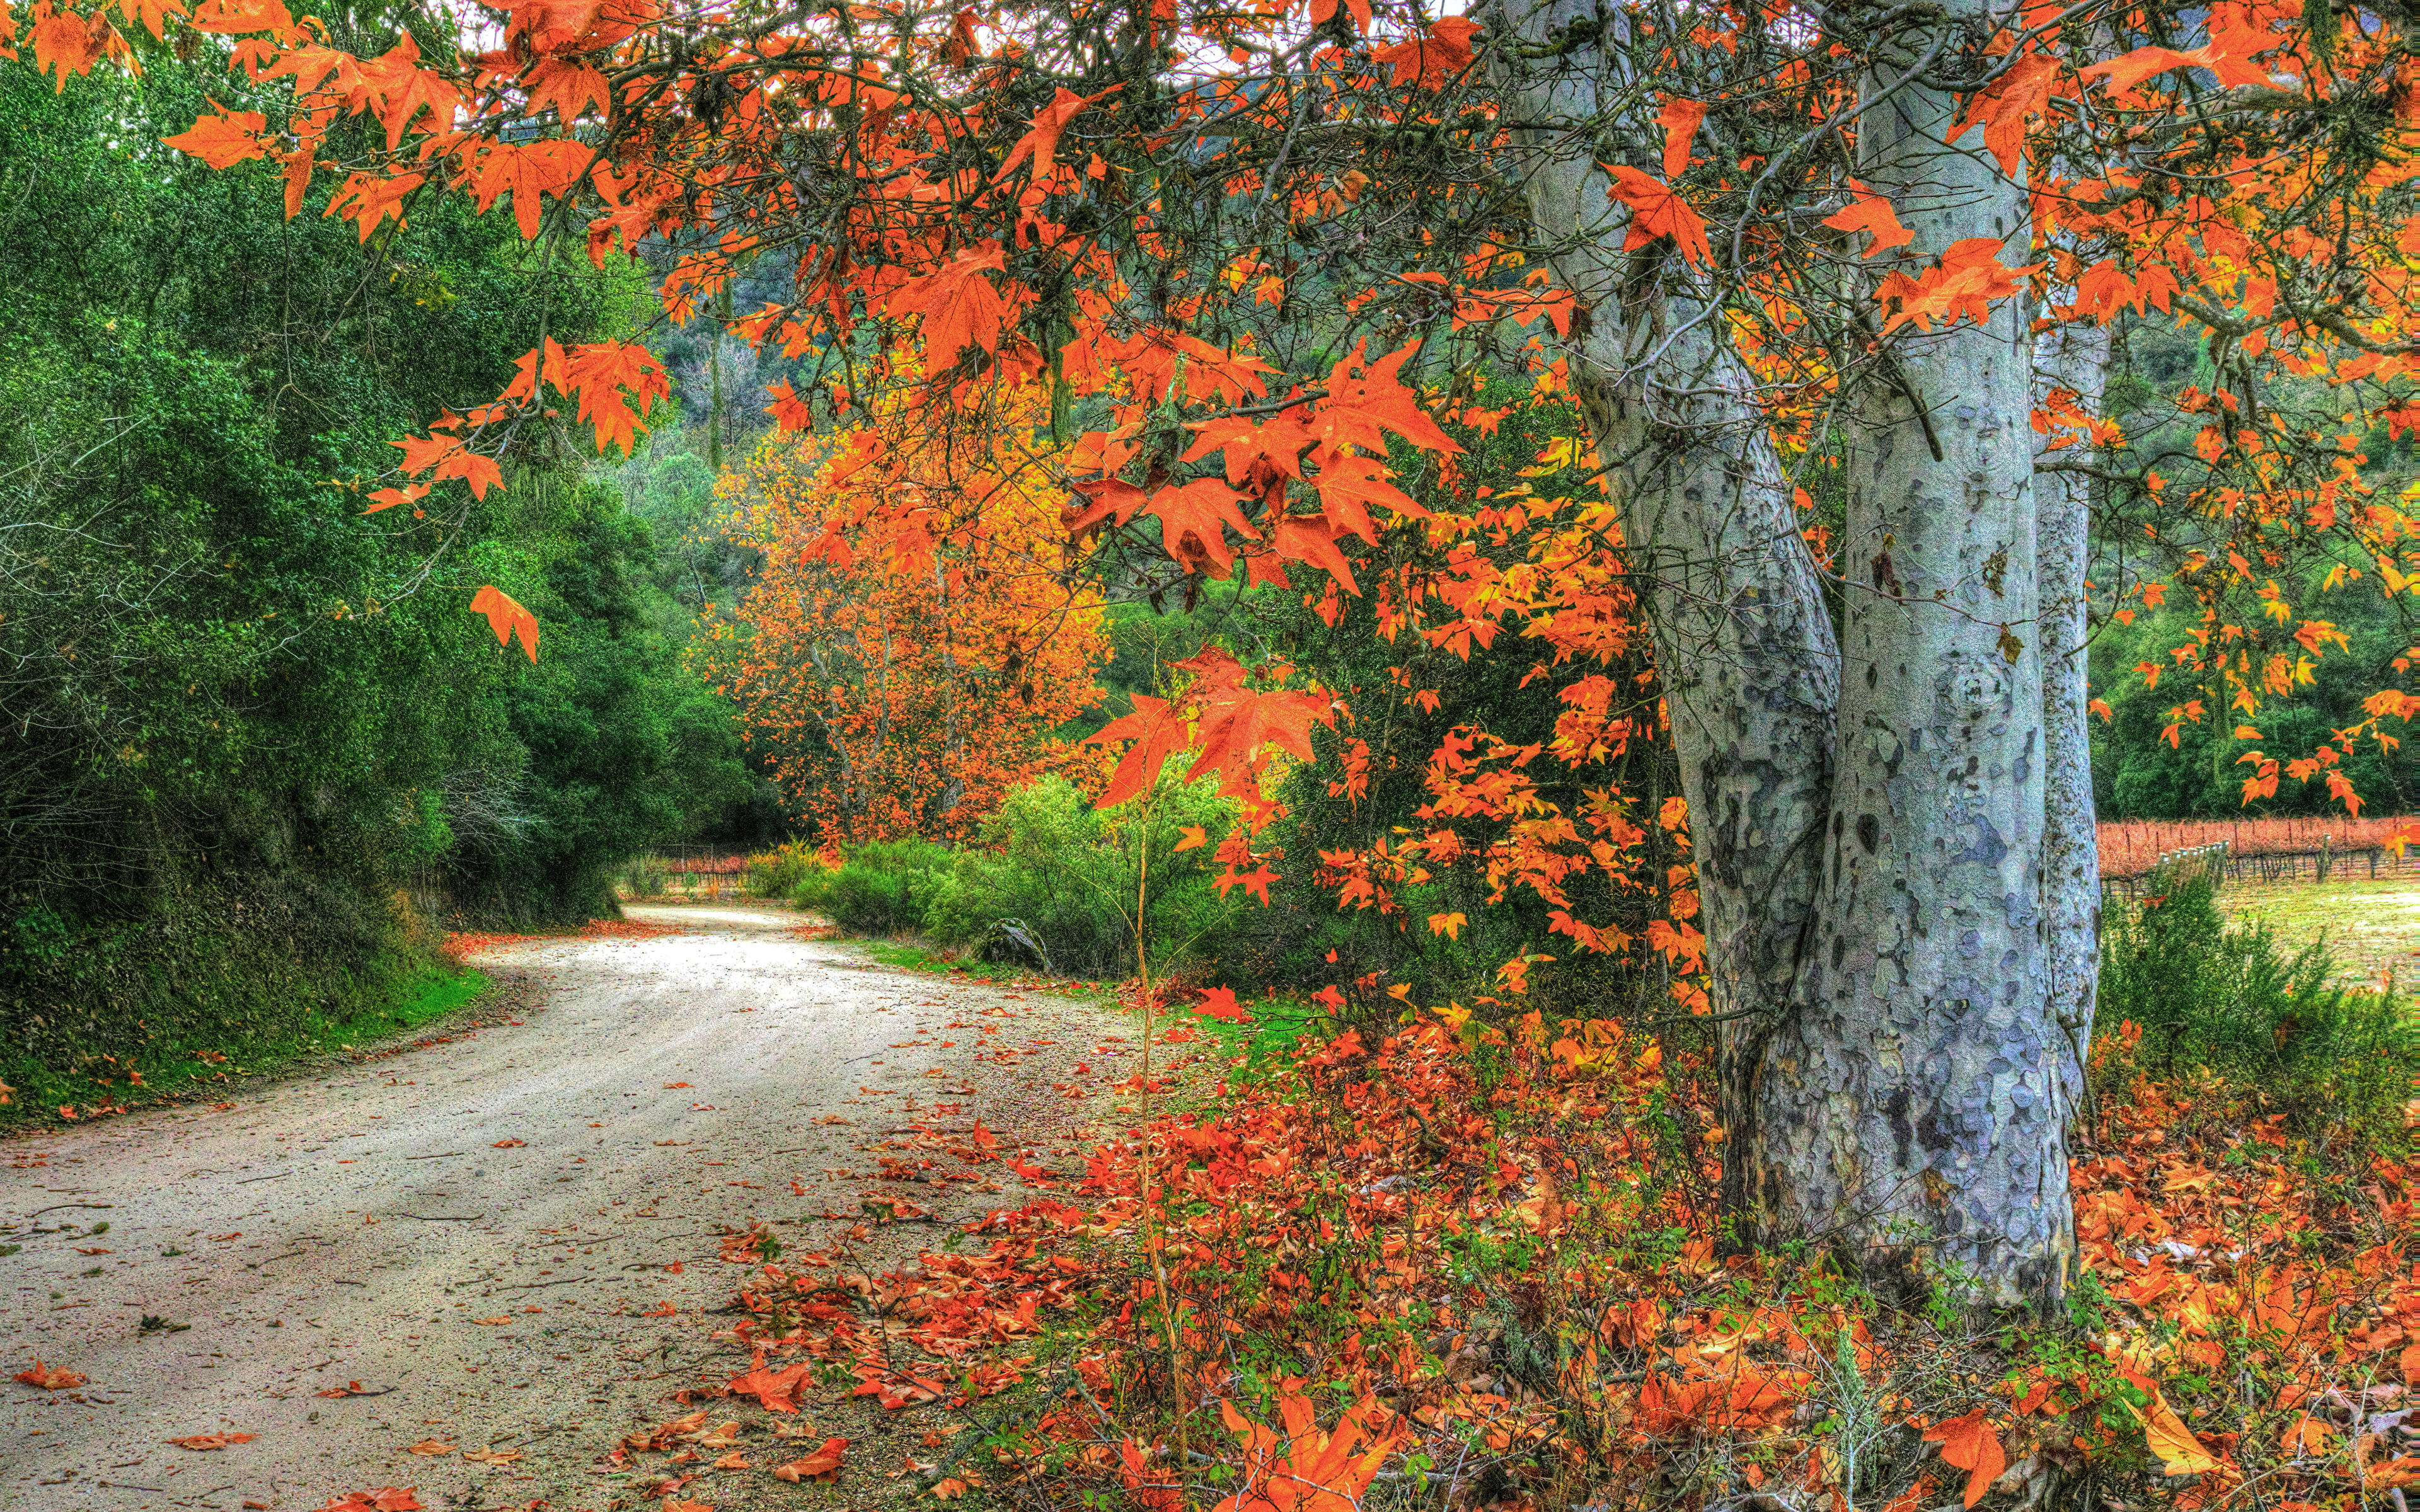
x: 1449, y: 925
x: 2180, y: 1452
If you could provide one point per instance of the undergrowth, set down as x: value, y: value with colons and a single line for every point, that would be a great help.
x: 1448, y: 1267
x: 394, y: 995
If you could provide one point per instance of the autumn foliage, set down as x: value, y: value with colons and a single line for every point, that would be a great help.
x: 910, y: 647
x: 1246, y: 300
x: 1378, y: 1257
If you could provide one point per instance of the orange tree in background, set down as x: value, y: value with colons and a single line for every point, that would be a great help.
x: 1811, y: 251
x: 911, y: 645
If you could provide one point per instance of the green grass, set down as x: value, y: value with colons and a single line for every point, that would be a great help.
x: 1278, y: 1024
x: 1261, y: 1046
x: 2372, y: 927
x: 998, y: 974
x: 395, y: 1002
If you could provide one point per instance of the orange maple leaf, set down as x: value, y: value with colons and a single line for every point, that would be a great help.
x: 1041, y: 140
x: 210, y: 1440
x: 152, y: 14
x: 1969, y: 277
x: 527, y: 171
x: 1193, y: 521
x: 823, y: 1464
x: 50, y: 1378
x: 1239, y: 721
x: 960, y: 305
x: 1680, y: 119
x: 570, y: 87
x: 1158, y: 732
x: 223, y: 140
x: 2003, y: 107
x: 777, y: 1389
x: 1871, y: 213
x: 507, y: 618
x: 601, y: 374
x: 1220, y: 1003
x: 1656, y: 211
x: 367, y: 199
x: 1433, y: 61
x: 1969, y: 1444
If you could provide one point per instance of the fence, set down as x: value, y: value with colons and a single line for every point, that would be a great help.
x: 692, y: 874
x: 2218, y: 862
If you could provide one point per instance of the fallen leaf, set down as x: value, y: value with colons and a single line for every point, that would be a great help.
x: 1969, y: 1444
x: 777, y: 1389
x: 511, y: 1143
x: 2308, y: 1436
x: 50, y: 1380
x: 350, y: 1388
x: 492, y: 1321
x: 430, y: 1447
x: 669, y: 1085
x: 732, y: 1461
x: 823, y: 1464
x: 491, y: 1456
x: 212, y: 1440
x: 2180, y: 1452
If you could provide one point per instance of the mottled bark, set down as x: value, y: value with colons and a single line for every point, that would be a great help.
x: 1744, y: 643
x: 1868, y: 816
x: 2075, y: 358
x: 1911, y: 1108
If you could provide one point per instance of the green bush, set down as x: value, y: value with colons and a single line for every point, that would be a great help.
x: 2231, y: 1000
x: 1072, y: 873
x: 643, y: 876
x: 1069, y: 870
x: 784, y: 870
x: 883, y: 889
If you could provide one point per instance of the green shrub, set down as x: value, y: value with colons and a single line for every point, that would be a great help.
x: 783, y: 870
x: 1072, y: 871
x: 643, y: 876
x: 2233, y: 1001
x: 882, y: 888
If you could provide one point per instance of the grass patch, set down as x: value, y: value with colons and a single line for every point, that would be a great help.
x: 2372, y: 928
x: 909, y: 956
x: 395, y: 1000
x: 1254, y: 1051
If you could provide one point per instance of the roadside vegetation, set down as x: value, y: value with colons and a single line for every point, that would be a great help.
x: 256, y: 752
x: 1571, y: 1078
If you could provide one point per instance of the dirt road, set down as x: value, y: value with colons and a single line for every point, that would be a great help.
x: 508, y: 1240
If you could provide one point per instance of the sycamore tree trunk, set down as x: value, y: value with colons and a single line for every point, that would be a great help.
x: 1868, y: 816
x: 2076, y: 359
x: 1742, y: 636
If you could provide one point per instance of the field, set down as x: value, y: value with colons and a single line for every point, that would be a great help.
x: 2130, y: 847
x: 2372, y: 928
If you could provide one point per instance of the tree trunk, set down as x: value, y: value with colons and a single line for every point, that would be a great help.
x: 1911, y: 1109
x: 2075, y: 358
x: 1743, y: 638
x: 1868, y: 817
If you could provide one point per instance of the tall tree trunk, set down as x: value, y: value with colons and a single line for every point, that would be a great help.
x: 1911, y: 1109
x: 1742, y: 636
x: 1868, y: 816
x: 2075, y: 358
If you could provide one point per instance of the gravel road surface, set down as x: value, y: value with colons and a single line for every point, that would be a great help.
x: 507, y: 1239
